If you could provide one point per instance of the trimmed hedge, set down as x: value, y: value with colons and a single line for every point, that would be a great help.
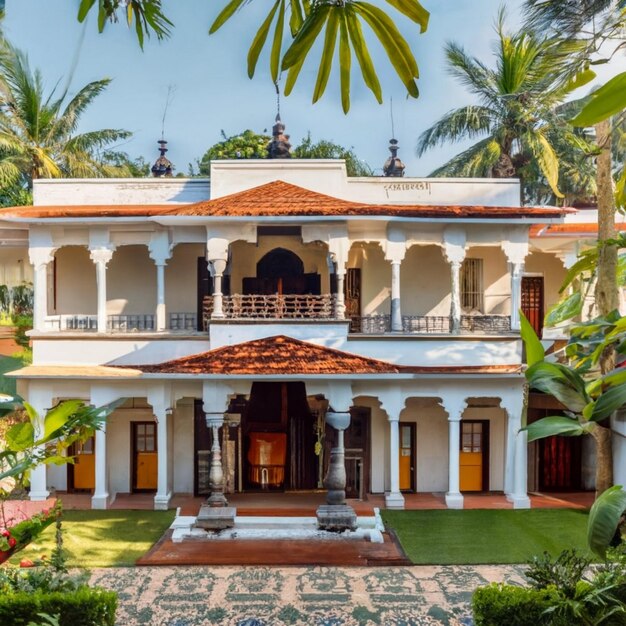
x: 84, y: 607
x: 498, y: 604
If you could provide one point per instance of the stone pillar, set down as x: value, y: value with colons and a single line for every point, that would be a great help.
x: 214, y: 422
x: 336, y: 515
x: 40, y: 258
x: 515, y: 246
x: 516, y: 468
x: 454, y: 408
x: 160, y: 252
x: 41, y: 401
x: 340, y: 303
x: 101, y: 257
x: 454, y: 250
x: 396, y: 307
x: 520, y: 497
x: 394, y: 499
x: 164, y: 492
x: 100, y: 498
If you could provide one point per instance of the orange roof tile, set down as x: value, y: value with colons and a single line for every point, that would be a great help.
x: 281, y: 198
x: 569, y: 229
x: 272, y: 355
x: 125, y: 210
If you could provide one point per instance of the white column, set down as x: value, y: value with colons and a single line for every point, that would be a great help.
x: 455, y: 297
x: 394, y: 499
x: 101, y: 257
x: 100, y: 498
x: 512, y: 427
x: 40, y: 258
x: 163, y: 495
x: 454, y: 407
x: 340, y: 302
x: 219, y: 265
x: 396, y: 308
x: 516, y: 472
x: 41, y: 401
x: 515, y: 246
x: 454, y: 240
x: 160, y: 252
x: 517, y: 271
x: 160, y: 307
x: 520, y: 497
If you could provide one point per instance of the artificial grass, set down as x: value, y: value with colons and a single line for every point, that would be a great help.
x: 102, y: 538
x: 472, y: 537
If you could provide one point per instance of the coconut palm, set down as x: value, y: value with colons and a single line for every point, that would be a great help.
x: 516, y: 118
x: 38, y: 137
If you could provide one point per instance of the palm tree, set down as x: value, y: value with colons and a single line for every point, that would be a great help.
x: 38, y: 137
x: 516, y: 117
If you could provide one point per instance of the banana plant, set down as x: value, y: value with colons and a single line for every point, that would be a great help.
x: 44, y: 439
x: 604, y: 519
x: 587, y: 401
x: 291, y: 28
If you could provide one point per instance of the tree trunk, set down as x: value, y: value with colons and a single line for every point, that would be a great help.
x: 606, y: 294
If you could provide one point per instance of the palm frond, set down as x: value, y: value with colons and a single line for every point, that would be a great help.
x: 466, y: 122
x: 475, y: 162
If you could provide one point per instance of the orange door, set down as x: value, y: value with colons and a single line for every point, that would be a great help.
x: 145, y: 456
x: 85, y: 465
x: 473, y: 458
x: 407, y: 456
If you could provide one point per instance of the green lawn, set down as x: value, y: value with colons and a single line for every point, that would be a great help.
x: 102, y: 538
x: 446, y: 537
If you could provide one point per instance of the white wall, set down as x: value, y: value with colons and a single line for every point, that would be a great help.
x: 131, y: 282
x: 75, y: 282
x: 15, y: 267
x: 181, y: 278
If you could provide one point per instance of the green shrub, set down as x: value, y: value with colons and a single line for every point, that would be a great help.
x: 84, y: 607
x: 498, y: 604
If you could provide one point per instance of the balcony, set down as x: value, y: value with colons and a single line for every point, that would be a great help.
x: 139, y: 323
x: 432, y: 324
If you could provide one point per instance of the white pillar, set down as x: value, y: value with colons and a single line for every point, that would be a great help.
x: 340, y: 301
x: 517, y: 271
x: 40, y: 258
x: 520, y: 497
x: 515, y: 246
x: 160, y: 307
x: 454, y: 406
x: 455, y: 297
x: 215, y: 421
x: 164, y: 494
x: 41, y: 401
x: 100, y: 498
x: 101, y: 257
x: 454, y: 240
x: 219, y: 265
x: 160, y: 251
x: 396, y: 308
x: 394, y: 499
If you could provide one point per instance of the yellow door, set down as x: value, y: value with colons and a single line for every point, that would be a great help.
x: 85, y: 466
x: 471, y: 456
x: 406, y: 456
x: 146, y: 455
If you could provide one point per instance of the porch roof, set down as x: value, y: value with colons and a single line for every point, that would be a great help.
x: 280, y: 199
x: 569, y: 229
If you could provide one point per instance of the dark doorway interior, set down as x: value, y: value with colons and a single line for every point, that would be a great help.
x: 532, y: 301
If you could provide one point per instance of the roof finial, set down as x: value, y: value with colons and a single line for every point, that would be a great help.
x: 279, y: 147
x: 162, y: 166
x: 393, y: 165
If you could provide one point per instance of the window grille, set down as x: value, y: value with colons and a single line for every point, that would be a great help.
x: 472, y: 293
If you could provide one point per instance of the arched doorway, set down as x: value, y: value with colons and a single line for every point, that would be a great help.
x: 282, y: 271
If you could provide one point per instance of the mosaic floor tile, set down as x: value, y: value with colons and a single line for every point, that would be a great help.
x: 311, y: 596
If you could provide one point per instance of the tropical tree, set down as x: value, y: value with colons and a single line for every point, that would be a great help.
x: 324, y: 149
x: 38, y: 132
x: 302, y: 23
x: 516, y: 118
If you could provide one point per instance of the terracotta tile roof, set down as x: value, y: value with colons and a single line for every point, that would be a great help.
x: 463, y: 369
x: 571, y: 229
x: 281, y: 198
x: 272, y: 355
x: 126, y: 210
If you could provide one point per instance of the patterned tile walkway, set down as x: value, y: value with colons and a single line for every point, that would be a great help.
x: 311, y: 596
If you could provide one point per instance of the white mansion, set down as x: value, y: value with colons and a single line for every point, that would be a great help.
x: 248, y: 305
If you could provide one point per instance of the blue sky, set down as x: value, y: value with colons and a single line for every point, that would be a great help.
x: 211, y: 90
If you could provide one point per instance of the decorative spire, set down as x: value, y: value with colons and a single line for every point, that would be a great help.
x: 162, y: 166
x: 279, y: 147
x: 393, y: 165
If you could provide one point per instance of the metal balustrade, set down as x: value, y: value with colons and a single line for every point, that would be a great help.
x: 432, y: 324
x: 183, y: 321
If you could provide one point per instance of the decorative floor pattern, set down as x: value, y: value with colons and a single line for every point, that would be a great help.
x: 312, y: 596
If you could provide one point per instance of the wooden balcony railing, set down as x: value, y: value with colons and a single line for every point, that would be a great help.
x: 274, y: 306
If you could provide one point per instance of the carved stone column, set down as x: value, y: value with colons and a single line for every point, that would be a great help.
x: 454, y: 250
x: 40, y: 258
x: 216, y: 474
x: 160, y: 253
x: 340, y: 304
x: 516, y: 249
x: 101, y: 257
x: 336, y: 515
